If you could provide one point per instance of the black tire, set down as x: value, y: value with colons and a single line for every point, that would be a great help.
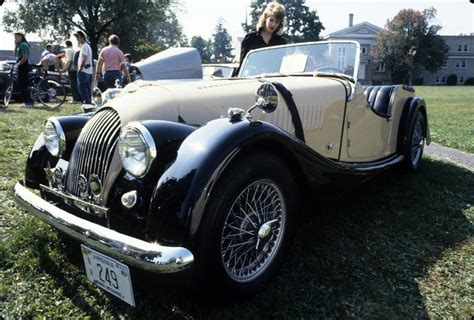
x: 50, y: 93
x: 213, y: 241
x: 415, y: 143
x: 8, y: 92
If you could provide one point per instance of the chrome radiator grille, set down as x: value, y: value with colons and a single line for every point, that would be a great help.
x: 94, y: 148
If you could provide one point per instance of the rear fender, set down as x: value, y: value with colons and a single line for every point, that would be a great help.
x: 412, y: 106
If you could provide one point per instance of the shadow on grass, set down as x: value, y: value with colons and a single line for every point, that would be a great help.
x: 359, y: 254
x: 11, y: 110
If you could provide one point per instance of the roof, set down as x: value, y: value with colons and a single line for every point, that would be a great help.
x: 361, y: 30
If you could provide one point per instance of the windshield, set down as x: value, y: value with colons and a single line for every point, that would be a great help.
x: 333, y: 57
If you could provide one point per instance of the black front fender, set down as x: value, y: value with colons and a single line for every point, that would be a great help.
x: 182, y: 192
x: 39, y: 156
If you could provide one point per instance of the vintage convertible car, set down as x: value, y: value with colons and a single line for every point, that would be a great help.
x: 168, y: 176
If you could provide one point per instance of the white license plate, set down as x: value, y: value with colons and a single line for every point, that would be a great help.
x: 109, y: 274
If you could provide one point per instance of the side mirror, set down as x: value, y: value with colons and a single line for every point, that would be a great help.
x: 267, y: 98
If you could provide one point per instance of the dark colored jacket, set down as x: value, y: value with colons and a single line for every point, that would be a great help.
x: 254, y: 40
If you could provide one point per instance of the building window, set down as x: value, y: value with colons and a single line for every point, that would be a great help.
x: 444, y: 64
x: 364, y: 50
x: 443, y: 79
x: 461, y: 79
x: 461, y: 64
x: 437, y: 79
x: 460, y: 48
x: 466, y: 48
x: 380, y: 67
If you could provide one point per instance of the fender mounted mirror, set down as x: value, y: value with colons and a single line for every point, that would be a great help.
x: 267, y: 97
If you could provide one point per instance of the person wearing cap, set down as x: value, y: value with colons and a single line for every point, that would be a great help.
x: 22, y: 66
x: 47, y: 50
x: 84, y: 68
x: 111, y: 57
x: 72, y: 71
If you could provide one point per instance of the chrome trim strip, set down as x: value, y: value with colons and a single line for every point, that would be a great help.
x: 132, y: 251
x: 102, y: 212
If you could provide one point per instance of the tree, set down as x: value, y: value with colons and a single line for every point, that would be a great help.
x: 135, y: 21
x: 204, y: 48
x: 221, y: 44
x: 303, y: 23
x: 408, y: 43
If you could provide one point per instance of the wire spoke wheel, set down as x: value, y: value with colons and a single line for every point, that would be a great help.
x: 417, y: 142
x: 51, y: 93
x: 253, y: 231
x: 8, y: 92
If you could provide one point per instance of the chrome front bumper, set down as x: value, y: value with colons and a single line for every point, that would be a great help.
x: 132, y: 251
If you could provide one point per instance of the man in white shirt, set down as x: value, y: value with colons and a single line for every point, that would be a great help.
x: 47, y: 50
x: 84, y: 68
x: 72, y: 72
x: 48, y: 61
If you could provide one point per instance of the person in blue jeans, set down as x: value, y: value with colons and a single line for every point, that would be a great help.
x: 84, y: 68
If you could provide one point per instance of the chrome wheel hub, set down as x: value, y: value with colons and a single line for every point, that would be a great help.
x: 253, y: 231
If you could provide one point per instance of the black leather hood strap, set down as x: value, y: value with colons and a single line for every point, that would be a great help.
x: 295, y: 115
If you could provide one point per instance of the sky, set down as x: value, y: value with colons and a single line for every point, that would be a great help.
x: 199, y: 17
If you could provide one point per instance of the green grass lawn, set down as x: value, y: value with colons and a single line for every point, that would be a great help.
x: 451, y: 115
x: 400, y: 246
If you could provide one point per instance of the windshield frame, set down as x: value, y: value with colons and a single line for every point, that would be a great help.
x: 356, y: 66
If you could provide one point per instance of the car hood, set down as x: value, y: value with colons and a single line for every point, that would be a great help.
x: 200, y: 101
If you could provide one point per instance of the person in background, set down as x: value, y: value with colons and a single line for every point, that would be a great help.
x: 84, y: 68
x: 132, y: 70
x: 111, y: 57
x: 71, y: 69
x: 269, y: 27
x: 47, y: 50
x: 22, y: 66
x: 50, y: 62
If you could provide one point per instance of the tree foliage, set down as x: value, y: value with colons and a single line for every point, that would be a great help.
x: 303, y: 24
x: 221, y: 44
x: 140, y: 24
x: 204, y: 48
x: 408, y: 43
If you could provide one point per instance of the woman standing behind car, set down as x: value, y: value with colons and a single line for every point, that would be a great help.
x: 269, y: 27
x: 22, y: 52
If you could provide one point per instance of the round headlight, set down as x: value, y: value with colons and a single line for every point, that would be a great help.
x: 54, y: 138
x: 136, y: 149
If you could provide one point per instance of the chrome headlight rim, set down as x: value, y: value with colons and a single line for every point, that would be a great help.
x: 147, y: 139
x: 59, y: 135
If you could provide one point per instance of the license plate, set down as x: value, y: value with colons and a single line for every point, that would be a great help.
x: 109, y: 274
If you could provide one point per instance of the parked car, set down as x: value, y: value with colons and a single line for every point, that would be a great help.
x: 173, y: 64
x: 170, y: 176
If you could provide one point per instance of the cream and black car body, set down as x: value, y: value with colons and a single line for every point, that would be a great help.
x: 209, y: 174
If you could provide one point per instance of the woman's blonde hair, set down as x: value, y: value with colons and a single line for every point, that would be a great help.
x: 276, y: 10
